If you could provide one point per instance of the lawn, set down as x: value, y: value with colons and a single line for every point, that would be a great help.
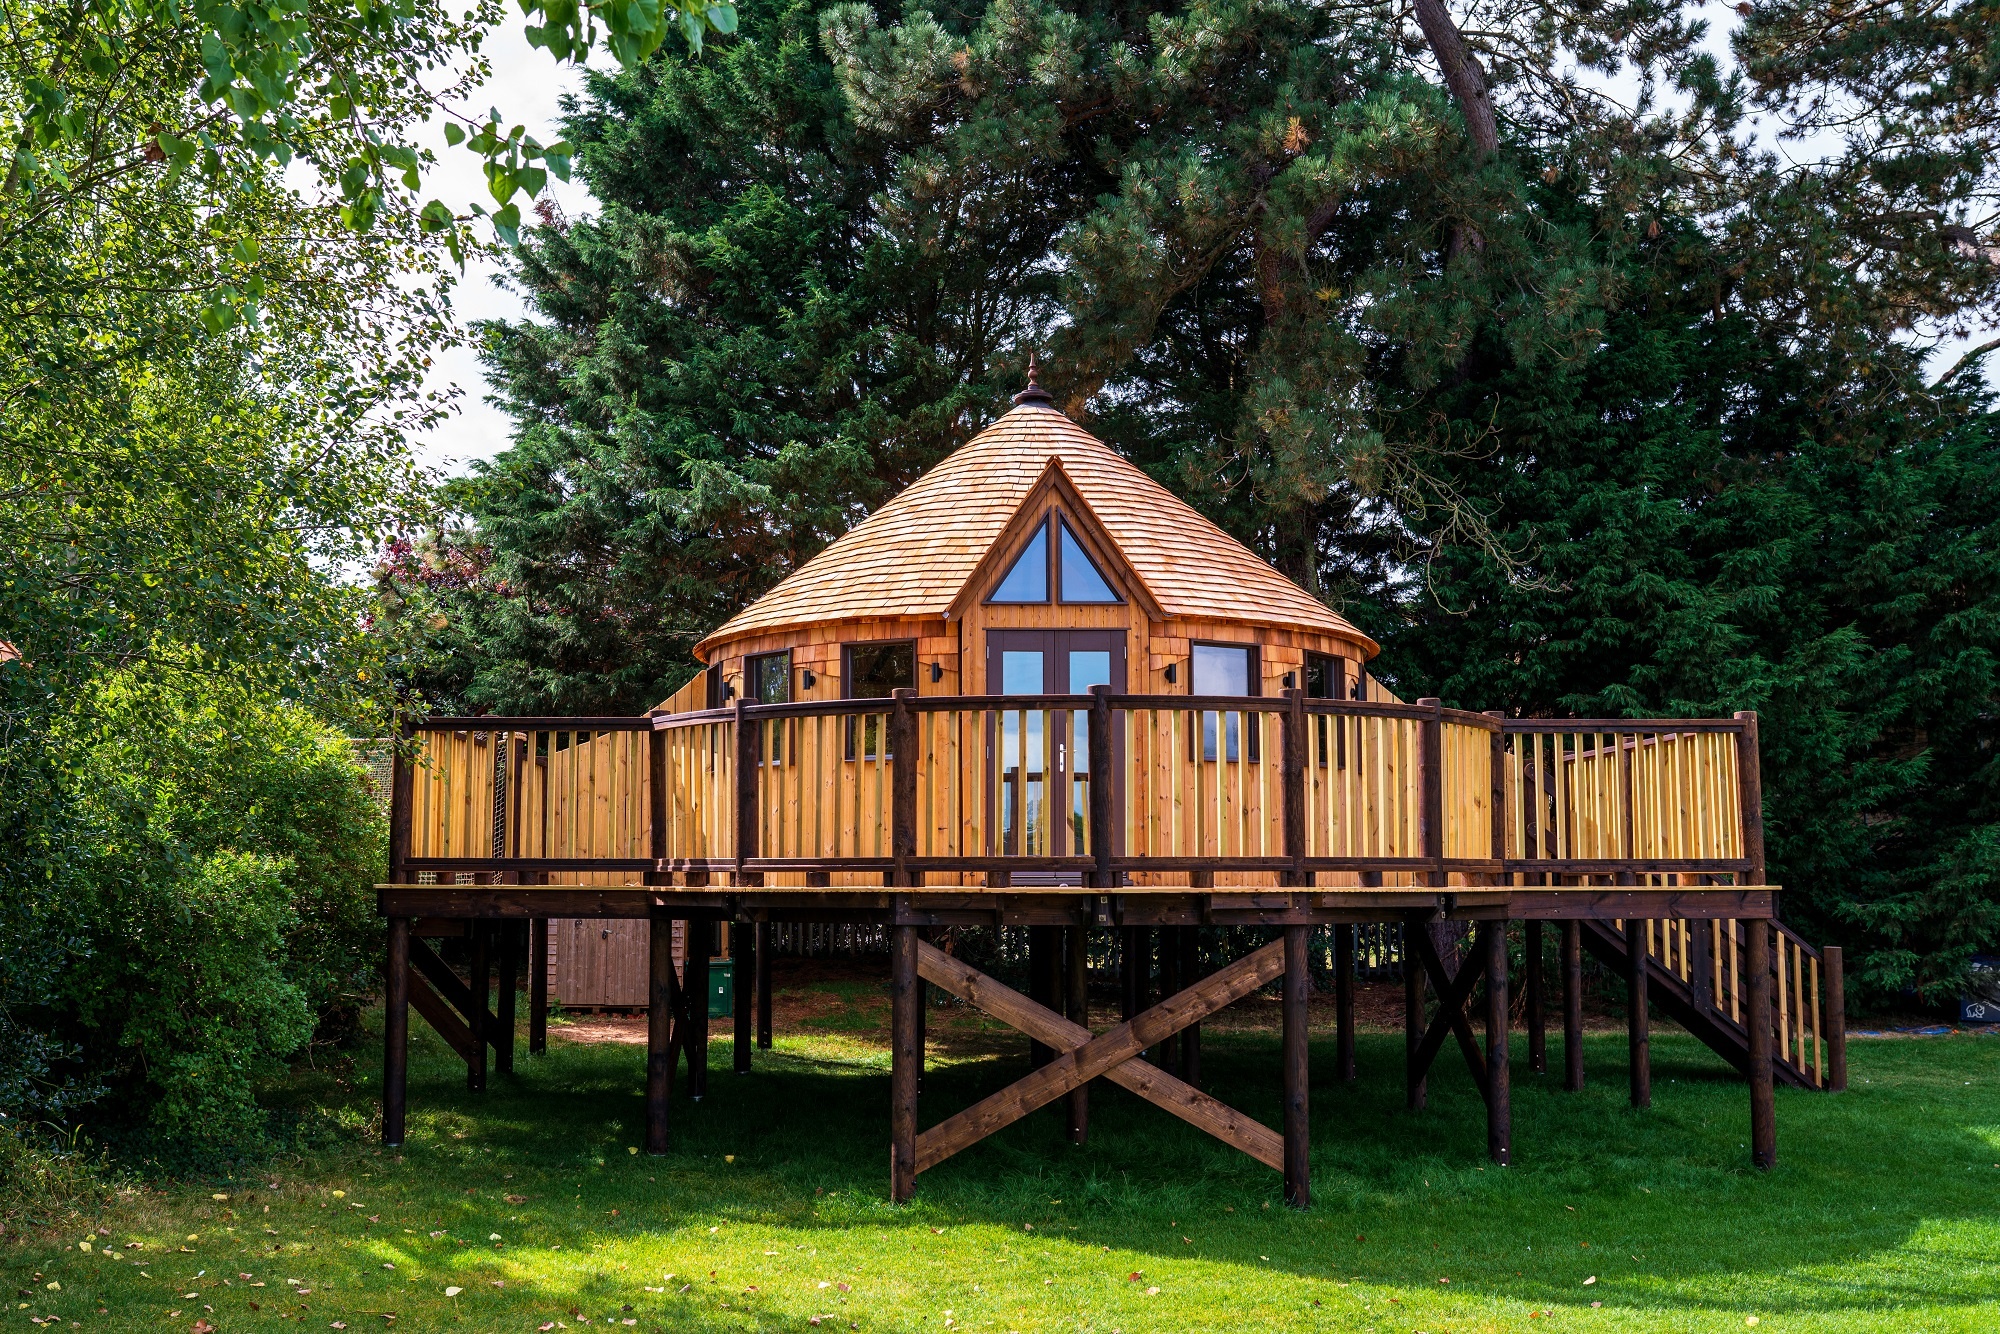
x: 527, y: 1208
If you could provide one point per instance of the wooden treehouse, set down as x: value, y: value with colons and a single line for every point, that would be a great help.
x: 1035, y: 689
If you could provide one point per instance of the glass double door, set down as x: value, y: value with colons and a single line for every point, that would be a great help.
x: 1043, y: 757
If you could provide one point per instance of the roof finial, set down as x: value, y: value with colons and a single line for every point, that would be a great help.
x: 1034, y: 393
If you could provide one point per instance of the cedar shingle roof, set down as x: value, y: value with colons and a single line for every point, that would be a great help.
x: 913, y: 556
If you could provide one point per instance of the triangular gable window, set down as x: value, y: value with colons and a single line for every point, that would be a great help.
x: 1081, y: 579
x: 1028, y: 580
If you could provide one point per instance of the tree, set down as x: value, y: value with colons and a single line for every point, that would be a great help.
x: 1402, y: 296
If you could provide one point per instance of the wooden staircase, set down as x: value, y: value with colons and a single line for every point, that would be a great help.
x: 1694, y: 971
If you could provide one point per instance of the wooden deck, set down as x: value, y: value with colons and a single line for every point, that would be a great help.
x: 1142, y: 814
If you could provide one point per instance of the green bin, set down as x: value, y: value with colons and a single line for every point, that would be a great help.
x: 721, y: 988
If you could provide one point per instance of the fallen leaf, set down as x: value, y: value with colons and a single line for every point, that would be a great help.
x: 453, y: 1292
x: 1152, y: 1292
x: 515, y: 1199
x: 1592, y: 1279
x: 340, y: 1195
x: 200, y: 1327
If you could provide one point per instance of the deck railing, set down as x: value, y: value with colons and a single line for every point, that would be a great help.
x: 1139, y: 789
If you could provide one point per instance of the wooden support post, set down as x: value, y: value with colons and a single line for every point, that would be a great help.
x: 700, y: 949
x: 1572, y: 965
x: 1750, y: 795
x: 1499, y: 1094
x: 1298, y: 988
x: 402, y: 780
x: 1170, y: 985
x: 1834, y: 1011
x: 1191, y: 1035
x: 503, y: 1004
x: 902, y: 784
x: 482, y: 981
x: 1077, y: 994
x: 1531, y: 984
x: 396, y: 1033
x: 1757, y: 1018
x: 1430, y: 788
x: 1638, y: 1019
x: 906, y: 1000
x: 1129, y: 973
x: 1413, y: 1011
x: 538, y: 983
x: 1343, y: 1000
x: 659, y: 1031
x: 1103, y: 806
x: 763, y: 944
x: 1040, y: 948
x: 747, y: 842
x: 742, y: 988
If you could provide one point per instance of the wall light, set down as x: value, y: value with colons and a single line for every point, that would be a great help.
x: 808, y: 681
x: 937, y: 672
x: 1291, y: 679
x: 1173, y: 672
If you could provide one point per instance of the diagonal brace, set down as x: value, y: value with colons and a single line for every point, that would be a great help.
x: 1100, y: 1055
x: 1150, y: 1082
x: 477, y: 1018
x: 1453, y: 993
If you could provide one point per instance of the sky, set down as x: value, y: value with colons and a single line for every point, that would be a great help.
x: 525, y: 86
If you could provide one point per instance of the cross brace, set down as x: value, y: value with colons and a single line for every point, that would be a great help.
x: 1114, y: 1055
x: 1453, y: 993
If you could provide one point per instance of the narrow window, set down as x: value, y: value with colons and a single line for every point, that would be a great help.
x: 1326, y: 678
x: 1224, y: 669
x: 1028, y: 580
x: 1082, y: 581
x: 768, y: 678
x: 873, y: 670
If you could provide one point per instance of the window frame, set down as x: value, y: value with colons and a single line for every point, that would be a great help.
x: 1056, y: 521
x: 753, y: 662
x: 853, y: 733
x: 1252, y: 752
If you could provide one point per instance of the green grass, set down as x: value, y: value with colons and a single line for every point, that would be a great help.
x: 1884, y: 1213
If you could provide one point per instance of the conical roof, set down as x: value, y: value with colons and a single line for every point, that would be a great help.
x: 913, y: 556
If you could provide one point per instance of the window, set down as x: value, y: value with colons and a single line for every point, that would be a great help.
x: 1081, y: 581
x: 873, y: 670
x: 1028, y: 581
x: 768, y: 678
x: 1225, y: 669
x: 1325, y: 677
x: 1064, y: 569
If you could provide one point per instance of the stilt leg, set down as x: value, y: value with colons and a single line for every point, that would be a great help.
x: 1531, y: 982
x: 1413, y: 1013
x: 1077, y: 993
x: 1129, y: 974
x: 1040, y: 952
x: 700, y: 949
x: 1170, y: 985
x: 1757, y: 1017
x: 1572, y: 964
x: 659, y: 1032
x: 763, y: 943
x: 1638, y: 1021
x: 509, y: 934
x: 538, y: 986
x: 1499, y: 1103
x: 1191, y: 1035
x: 905, y: 1003
x: 396, y: 1033
x: 1298, y: 986
x: 1343, y: 1000
x: 742, y: 992
x: 482, y: 985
